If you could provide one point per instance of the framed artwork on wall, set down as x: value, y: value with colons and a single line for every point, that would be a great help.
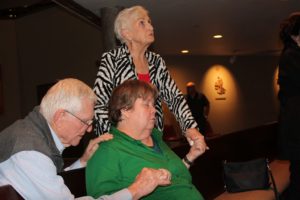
x: 219, y: 89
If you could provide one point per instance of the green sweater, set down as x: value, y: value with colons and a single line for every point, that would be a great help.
x: 117, y: 162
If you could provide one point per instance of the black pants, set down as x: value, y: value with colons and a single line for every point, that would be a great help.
x: 294, y: 187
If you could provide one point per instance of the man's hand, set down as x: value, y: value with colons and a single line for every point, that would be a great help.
x: 147, y: 180
x: 93, y: 146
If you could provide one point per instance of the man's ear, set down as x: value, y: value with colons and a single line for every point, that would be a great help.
x: 58, y: 117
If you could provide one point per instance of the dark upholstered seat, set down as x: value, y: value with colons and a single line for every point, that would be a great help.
x: 75, y: 180
x: 7, y: 192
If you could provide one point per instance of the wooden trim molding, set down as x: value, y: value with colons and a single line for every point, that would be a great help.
x: 80, y: 11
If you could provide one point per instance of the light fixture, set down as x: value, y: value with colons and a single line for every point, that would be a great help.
x: 184, y: 51
x: 217, y: 36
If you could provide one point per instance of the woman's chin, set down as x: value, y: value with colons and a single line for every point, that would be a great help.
x: 151, y: 124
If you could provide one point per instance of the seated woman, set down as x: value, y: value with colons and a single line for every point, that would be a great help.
x: 137, y: 144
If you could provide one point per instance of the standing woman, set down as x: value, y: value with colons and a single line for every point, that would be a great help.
x: 132, y: 60
x: 289, y: 96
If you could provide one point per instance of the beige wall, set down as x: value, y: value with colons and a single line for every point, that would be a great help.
x: 54, y: 44
x: 249, y: 82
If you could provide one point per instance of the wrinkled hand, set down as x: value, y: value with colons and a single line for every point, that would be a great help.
x: 147, y: 180
x: 93, y: 146
x: 197, y: 142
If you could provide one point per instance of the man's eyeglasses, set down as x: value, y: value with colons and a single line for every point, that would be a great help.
x: 87, y: 123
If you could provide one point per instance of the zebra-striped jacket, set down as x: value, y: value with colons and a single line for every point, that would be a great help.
x: 116, y: 66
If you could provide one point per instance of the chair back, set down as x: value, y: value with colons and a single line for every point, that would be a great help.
x: 7, y: 192
x: 75, y: 181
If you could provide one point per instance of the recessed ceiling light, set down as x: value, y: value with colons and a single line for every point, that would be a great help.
x: 185, y: 51
x: 218, y: 36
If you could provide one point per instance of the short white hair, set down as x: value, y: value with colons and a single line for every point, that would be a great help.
x: 125, y: 18
x: 66, y: 94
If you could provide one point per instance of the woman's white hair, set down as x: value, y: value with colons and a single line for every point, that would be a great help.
x: 125, y: 18
x: 66, y: 94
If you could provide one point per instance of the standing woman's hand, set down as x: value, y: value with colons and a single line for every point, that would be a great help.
x: 193, y: 135
x: 198, y: 146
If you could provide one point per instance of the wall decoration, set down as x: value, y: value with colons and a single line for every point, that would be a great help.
x: 219, y: 88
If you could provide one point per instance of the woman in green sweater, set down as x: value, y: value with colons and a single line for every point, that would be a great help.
x: 137, y: 144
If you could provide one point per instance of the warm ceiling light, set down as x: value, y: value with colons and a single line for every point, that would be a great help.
x: 218, y: 36
x: 184, y: 51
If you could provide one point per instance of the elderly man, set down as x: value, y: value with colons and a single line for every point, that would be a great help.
x: 31, y: 148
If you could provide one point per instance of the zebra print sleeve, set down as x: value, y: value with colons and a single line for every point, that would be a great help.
x: 174, y: 98
x: 103, y: 88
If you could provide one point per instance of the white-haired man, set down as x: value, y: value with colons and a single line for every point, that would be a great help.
x: 31, y: 148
